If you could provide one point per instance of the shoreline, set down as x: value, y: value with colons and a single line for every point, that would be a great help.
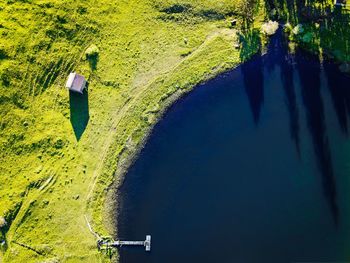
x: 113, y: 193
x: 112, y: 208
x: 150, y: 200
x: 65, y: 156
x: 112, y: 205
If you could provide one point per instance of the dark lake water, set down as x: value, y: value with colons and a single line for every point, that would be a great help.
x: 253, y: 166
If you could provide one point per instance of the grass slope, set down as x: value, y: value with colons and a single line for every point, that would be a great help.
x: 59, y: 151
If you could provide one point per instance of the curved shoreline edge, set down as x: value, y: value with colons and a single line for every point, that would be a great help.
x: 127, y: 158
x: 60, y: 152
x: 111, y: 208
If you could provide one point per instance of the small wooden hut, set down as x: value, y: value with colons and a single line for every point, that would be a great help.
x: 76, y: 82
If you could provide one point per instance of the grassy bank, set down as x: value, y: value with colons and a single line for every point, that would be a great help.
x: 60, y: 152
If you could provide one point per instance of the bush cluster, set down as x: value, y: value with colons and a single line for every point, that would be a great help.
x: 269, y: 28
x: 2, y: 222
x: 92, y: 51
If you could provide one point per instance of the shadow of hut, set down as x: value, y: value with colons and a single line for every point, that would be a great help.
x: 79, y: 112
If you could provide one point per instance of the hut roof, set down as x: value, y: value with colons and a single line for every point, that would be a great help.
x: 76, y: 82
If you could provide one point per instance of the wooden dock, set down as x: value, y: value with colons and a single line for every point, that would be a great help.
x: 120, y: 243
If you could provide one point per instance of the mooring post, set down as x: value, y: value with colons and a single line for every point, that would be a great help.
x: 148, y: 243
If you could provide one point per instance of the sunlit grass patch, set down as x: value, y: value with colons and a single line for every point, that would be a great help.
x: 60, y: 151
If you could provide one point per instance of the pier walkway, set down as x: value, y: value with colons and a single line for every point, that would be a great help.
x: 120, y: 243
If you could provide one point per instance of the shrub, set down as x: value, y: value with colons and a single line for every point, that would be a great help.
x: 92, y: 56
x: 188, y: 10
x: 287, y: 28
x: 3, y: 53
x: 59, y: 143
x: 298, y: 29
x: 269, y: 28
x: 92, y: 52
x: 176, y: 8
x: 2, y: 222
x: 307, y: 38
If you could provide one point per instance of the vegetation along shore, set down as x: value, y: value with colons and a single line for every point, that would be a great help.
x: 63, y: 154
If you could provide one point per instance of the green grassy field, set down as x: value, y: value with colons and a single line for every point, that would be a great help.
x: 61, y: 152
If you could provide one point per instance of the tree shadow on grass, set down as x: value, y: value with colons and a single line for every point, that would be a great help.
x: 3, y: 240
x: 79, y: 112
x: 93, y: 60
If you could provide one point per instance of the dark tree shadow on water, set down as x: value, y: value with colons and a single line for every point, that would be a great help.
x: 291, y: 103
x: 253, y: 78
x: 275, y: 50
x: 338, y: 85
x: 309, y: 73
x: 252, y: 72
x: 79, y: 112
x: 285, y: 62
